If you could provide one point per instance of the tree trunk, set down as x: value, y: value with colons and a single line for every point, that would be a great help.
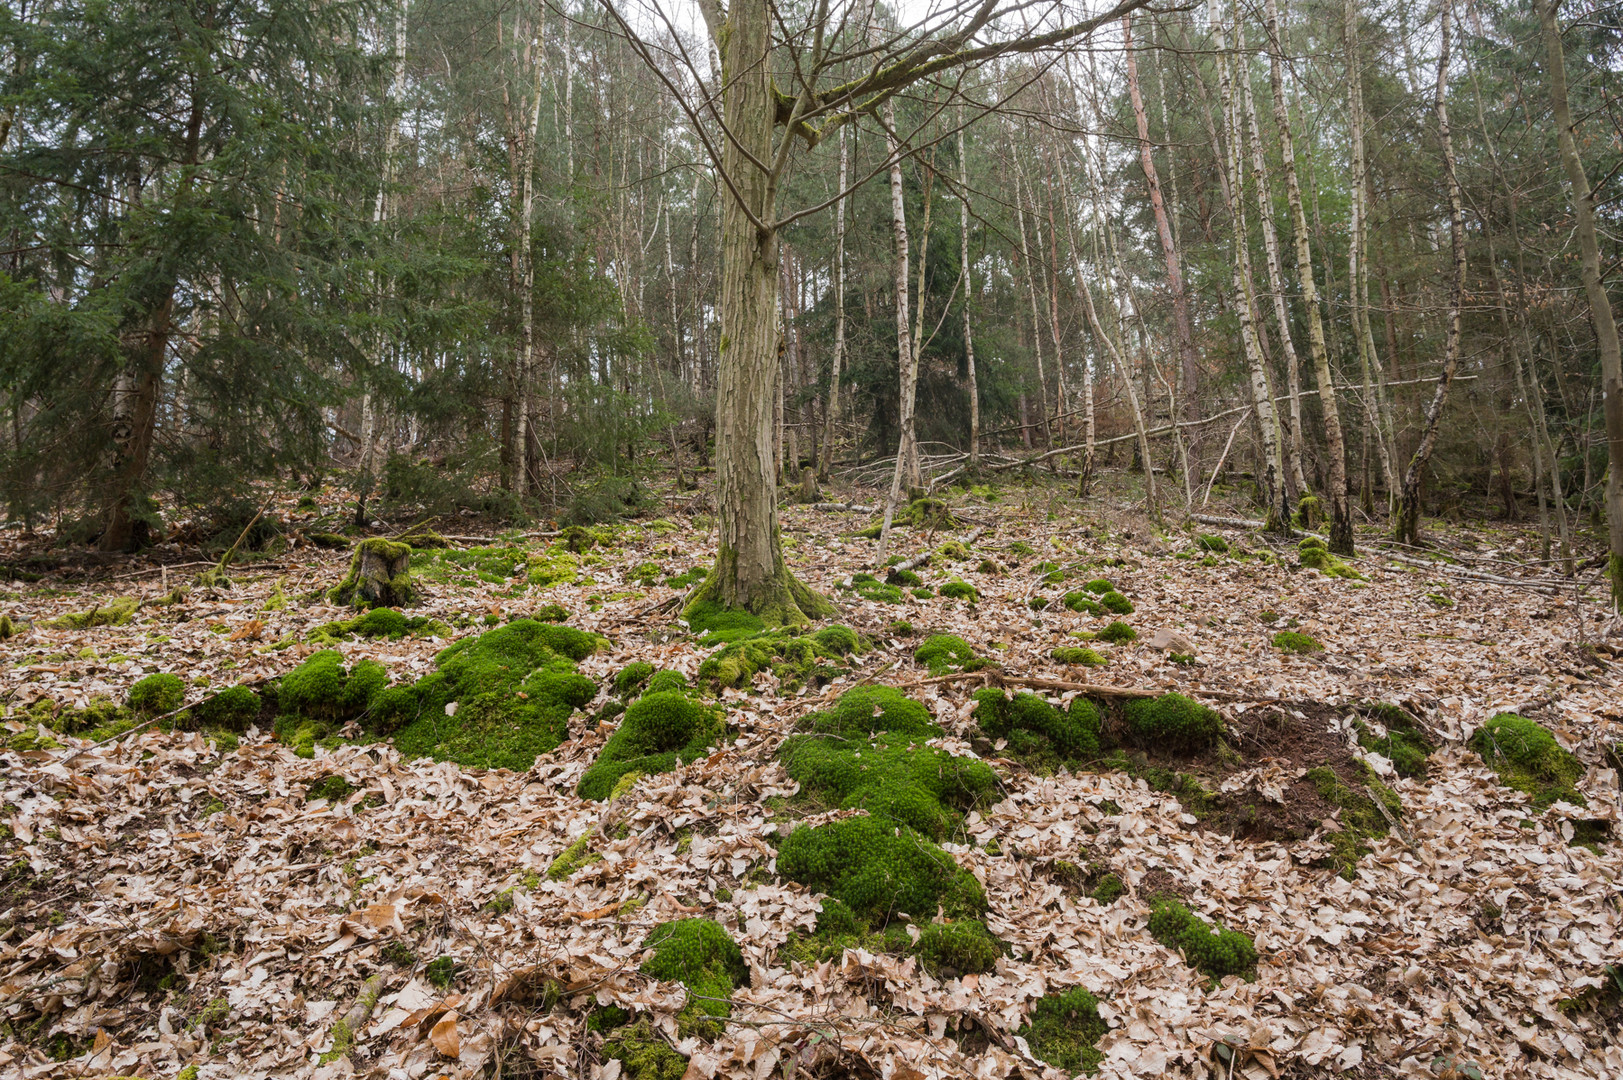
x: 1407, y: 528
x: 1600, y: 306
x: 750, y: 572
x: 833, y: 409
x: 969, y: 339
x: 1341, y: 531
x: 907, y: 364
x: 1276, y: 285
x: 1272, y: 472
x: 1031, y: 288
x: 1376, y: 416
x: 1088, y: 430
x: 1184, y: 338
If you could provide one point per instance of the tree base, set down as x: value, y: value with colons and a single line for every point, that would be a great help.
x: 782, y: 600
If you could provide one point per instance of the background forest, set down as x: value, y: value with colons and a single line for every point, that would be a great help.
x: 468, y: 253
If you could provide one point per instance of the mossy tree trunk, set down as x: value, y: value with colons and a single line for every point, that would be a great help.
x: 750, y: 571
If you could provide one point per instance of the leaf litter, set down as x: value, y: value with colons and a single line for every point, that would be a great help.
x: 169, y: 905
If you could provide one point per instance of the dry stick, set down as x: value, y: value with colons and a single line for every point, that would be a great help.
x: 1223, y: 457
x: 924, y: 557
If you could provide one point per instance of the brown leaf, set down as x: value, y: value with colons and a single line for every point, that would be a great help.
x: 445, y: 1037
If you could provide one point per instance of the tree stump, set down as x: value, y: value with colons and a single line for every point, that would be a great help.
x: 379, y: 576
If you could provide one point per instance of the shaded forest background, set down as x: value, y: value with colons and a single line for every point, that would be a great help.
x: 463, y: 257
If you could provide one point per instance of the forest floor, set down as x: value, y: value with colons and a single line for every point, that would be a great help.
x: 168, y: 902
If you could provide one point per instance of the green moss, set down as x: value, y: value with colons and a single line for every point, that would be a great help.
x: 705, y: 959
x: 863, y: 754
x: 664, y: 682
x: 553, y: 567
x: 1173, y: 721
x: 960, y: 590
x: 1072, y: 654
x: 360, y: 591
x: 332, y: 788
x: 796, y: 659
x: 1211, y: 542
x: 716, y: 624
x: 1210, y: 948
x: 1099, y: 586
x: 157, y: 694
x: 380, y: 622
x: 469, y: 566
x: 837, y: 640
x: 1404, y: 744
x: 945, y: 653
x: 871, y: 588
x: 1109, y: 889
x: 1360, y: 819
x: 572, y: 858
x: 949, y: 950
x: 659, y: 730
x: 117, y: 612
x: 1079, y: 600
x: 441, y: 973
x: 880, y: 870
x: 901, y: 628
x: 1291, y: 641
x: 903, y: 577
x: 321, y: 688
x: 1118, y: 633
x: 926, y: 512
x: 1526, y: 757
x: 922, y: 594
x: 687, y: 579
x: 1313, y: 555
x: 1029, y: 722
x: 953, y: 551
x: 1115, y: 603
x: 632, y: 677
x: 644, y: 1054
x: 553, y: 613
x: 1064, y: 1030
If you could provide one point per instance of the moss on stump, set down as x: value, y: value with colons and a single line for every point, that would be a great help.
x: 379, y: 576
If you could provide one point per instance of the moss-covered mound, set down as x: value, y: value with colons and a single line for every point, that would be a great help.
x: 960, y: 590
x: 1078, y: 600
x: 379, y: 623
x: 1073, y: 654
x: 1402, y: 742
x: 871, y: 588
x: 1064, y: 1030
x: 701, y: 956
x: 1034, y: 727
x: 864, y: 753
x: 953, y: 949
x: 1173, y: 721
x: 643, y: 1053
x: 929, y: 513
x: 320, y: 695
x: 1118, y: 633
x: 880, y: 871
x: 495, y: 701
x: 797, y: 659
x: 1291, y: 641
x: 232, y: 709
x: 1210, y: 948
x: 629, y: 682
x: 553, y: 567
x: 1313, y: 555
x: 659, y: 730
x: 947, y: 653
x: 157, y: 694
x: 1527, y: 758
x: 1360, y: 819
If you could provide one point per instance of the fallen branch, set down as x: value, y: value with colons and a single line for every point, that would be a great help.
x: 858, y: 507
